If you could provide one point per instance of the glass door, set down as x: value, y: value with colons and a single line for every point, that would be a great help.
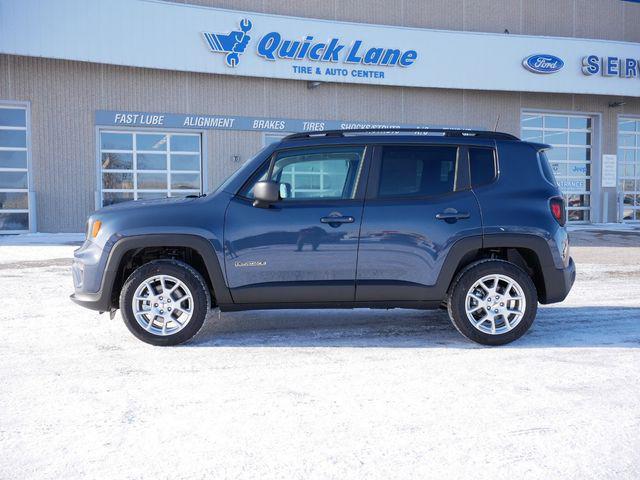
x: 629, y: 168
x: 571, y: 137
x: 14, y: 174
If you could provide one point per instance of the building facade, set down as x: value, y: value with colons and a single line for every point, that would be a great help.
x: 120, y: 100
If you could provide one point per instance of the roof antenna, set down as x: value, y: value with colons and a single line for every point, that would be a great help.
x: 495, y: 129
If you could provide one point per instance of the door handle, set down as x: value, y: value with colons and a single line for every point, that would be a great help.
x: 336, y: 221
x: 451, y: 215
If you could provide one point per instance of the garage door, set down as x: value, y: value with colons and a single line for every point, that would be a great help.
x: 571, y: 138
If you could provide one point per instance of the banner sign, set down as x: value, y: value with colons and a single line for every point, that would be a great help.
x: 572, y: 185
x: 609, y: 171
x: 181, y: 37
x: 233, y: 122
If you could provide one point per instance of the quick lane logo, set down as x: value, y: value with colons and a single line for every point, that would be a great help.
x: 233, y: 43
x: 543, y: 63
x: 253, y: 263
x: 273, y: 47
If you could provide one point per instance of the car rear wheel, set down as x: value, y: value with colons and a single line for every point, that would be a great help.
x: 493, y: 302
x: 164, y: 302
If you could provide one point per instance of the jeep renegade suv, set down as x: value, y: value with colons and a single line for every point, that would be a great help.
x: 466, y: 219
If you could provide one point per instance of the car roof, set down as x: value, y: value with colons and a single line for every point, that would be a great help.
x: 441, y: 136
x: 421, y: 132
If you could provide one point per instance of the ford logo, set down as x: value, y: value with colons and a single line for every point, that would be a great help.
x: 542, y: 63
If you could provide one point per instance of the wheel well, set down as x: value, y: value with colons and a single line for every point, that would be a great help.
x: 525, y: 258
x: 137, y: 257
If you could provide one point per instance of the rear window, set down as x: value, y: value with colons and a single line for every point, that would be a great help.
x: 417, y: 171
x: 547, y: 171
x: 483, y: 166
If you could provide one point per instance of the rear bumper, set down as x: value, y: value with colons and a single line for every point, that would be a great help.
x: 558, y: 283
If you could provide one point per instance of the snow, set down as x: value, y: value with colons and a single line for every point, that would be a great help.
x: 320, y: 394
x: 607, y: 227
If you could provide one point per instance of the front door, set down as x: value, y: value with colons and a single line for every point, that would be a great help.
x: 418, y: 205
x: 303, y: 248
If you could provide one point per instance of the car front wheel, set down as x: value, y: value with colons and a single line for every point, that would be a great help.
x: 164, y: 302
x: 493, y: 302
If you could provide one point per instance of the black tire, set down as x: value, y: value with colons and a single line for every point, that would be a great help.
x: 464, y: 282
x: 181, y: 271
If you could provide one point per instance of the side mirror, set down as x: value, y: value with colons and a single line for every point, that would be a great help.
x: 265, y: 193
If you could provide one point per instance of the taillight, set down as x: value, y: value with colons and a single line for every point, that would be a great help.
x: 556, y: 204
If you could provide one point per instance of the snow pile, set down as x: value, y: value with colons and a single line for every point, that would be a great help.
x: 318, y: 394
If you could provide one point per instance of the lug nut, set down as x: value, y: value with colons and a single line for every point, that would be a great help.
x: 501, y: 304
x: 496, y: 311
x: 155, y: 304
x: 162, y: 311
x: 169, y: 309
x: 168, y: 300
x: 160, y: 298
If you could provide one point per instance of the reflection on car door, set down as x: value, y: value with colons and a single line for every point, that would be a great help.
x: 418, y: 205
x: 303, y: 248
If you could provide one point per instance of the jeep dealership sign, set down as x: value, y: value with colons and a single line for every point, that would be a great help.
x: 172, y: 36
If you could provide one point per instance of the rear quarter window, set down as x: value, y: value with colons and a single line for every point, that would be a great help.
x: 482, y: 162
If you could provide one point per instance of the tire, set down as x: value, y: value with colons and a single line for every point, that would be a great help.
x: 173, y: 291
x: 492, y: 319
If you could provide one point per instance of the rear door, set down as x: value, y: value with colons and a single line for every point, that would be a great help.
x: 418, y: 204
x: 303, y: 248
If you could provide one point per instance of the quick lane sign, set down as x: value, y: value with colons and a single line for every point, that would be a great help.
x: 175, y: 36
x: 273, y: 46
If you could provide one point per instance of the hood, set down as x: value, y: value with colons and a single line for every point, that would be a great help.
x: 138, y: 204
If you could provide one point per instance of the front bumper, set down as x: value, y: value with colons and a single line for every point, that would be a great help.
x: 88, y: 267
x: 92, y: 301
x: 558, y: 283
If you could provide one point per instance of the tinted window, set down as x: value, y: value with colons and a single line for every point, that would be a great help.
x: 417, y: 171
x: 483, y: 166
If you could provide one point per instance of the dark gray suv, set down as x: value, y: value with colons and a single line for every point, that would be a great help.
x: 468, y: 220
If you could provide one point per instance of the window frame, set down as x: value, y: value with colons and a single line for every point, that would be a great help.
x: 461, y: 177
x: 360, y: 180
x: 134, y: 170
x: 31, y: 206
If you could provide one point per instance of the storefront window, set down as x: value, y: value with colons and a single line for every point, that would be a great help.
x: 146, y: 165
x: 14, y: 175
x: 629, y: 167
x: 570, y: 158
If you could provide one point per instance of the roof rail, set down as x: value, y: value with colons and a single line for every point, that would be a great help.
x: 446, y: 132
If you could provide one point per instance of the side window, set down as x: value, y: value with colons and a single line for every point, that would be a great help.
x: 417, y: 171
x: 483, y: 166
x: 314, y: 173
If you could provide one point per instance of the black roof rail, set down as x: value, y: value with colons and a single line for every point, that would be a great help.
x: 446, y: 132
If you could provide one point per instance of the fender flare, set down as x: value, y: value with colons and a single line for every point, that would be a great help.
x: 536, y: 243
x: 201, y: 245
x: 553, y: 277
